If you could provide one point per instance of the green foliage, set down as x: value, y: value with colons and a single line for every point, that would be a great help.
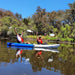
x: 67, y: 39
x: 61, y: 23
x: 8, y: 25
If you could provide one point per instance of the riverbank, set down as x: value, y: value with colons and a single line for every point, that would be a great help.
x: 45, y: 39
x: 54, y: 39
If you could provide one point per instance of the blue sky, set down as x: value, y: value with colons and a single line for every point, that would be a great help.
x: 28, y: 7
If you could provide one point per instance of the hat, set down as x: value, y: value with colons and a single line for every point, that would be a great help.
x: 40, y: 36
x: 19, y: 34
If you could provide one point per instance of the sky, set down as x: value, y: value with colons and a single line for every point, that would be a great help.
x: 28, y: 7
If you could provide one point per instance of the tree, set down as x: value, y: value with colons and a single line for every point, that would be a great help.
x: 51, y: 18
x: 25, y: 21
x: 40, y: 19
x: 18, y: 16
x: 71, y: 13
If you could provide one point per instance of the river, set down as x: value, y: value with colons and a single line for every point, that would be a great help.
x: 49, y: 63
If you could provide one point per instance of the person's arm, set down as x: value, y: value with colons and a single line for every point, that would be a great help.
x: 23, y: 32
x: 16, y: 31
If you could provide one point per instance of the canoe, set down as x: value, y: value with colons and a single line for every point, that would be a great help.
x: 33, y: 45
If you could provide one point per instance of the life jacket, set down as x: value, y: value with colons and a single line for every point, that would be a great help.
x: 20, y: 39
x: 39, y: 53
x: 39, y: 41
x: 19, y: 52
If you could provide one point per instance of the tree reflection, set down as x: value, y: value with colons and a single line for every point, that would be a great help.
x: 63, y: 62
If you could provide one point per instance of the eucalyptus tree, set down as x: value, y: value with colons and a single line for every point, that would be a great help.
x: 18, y: 16
x: 40, y: 19
x: 25, y: 21
x: 59, y: 18
x: 70, y: 18
x: 70, y: 14
x: 51, y: 17
x: 72, y: 9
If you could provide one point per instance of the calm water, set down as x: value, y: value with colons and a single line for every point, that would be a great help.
x: 49, y: 63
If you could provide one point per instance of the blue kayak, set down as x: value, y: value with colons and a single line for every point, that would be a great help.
x: 20, y: 44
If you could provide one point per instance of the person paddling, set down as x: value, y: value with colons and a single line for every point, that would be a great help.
x: 19, y: 37
x: 19, y: 52
x: 39, y: 40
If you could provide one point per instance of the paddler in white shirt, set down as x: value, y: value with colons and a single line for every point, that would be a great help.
x: 19, y: 37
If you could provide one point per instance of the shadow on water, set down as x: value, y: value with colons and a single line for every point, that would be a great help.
x: 33, y: 62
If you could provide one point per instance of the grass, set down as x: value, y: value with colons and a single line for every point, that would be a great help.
x: 50, y: 38
x: 67, y: 39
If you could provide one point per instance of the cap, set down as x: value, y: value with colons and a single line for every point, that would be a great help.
x: 19, y: 34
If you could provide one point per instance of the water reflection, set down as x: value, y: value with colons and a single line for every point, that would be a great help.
x: 47, y: 49
x: 62, y: 62
x: 18, y: 53
x: 38, y: 54
x: 44, y: 62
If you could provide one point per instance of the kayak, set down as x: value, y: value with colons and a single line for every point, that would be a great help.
x: 23, y: 48
x: 46, y: 45
x: 19, y: 44
x: 33, y: 45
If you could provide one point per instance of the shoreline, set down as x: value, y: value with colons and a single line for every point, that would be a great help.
x: 45, y: 40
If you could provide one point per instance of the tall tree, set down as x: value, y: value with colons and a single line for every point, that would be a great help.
x: 40, y: 19
x: 18, y: 16
x: 71, y: 13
